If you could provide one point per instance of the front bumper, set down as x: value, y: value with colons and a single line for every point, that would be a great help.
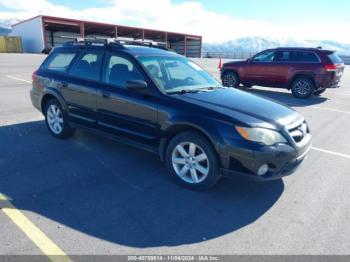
x: 282, y: 159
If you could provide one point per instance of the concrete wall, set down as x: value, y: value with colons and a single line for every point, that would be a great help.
x: 31, y: 33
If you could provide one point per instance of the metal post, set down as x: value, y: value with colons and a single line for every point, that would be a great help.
x: 44, y: 32
x: 166, y: 39
x: 143, y: 35
x: 185, y: 46
x: 116, y: 31
x: 82, y: 30
x: 52, y: 39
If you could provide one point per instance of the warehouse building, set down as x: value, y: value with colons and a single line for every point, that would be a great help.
x: 41, y: 32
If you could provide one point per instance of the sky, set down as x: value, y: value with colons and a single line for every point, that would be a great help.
x: 215, y: 20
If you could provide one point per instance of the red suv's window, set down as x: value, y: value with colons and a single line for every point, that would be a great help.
x: 265, y: 57
x: 283, y: 56
x: 306, y: 57
x: 335, y: 58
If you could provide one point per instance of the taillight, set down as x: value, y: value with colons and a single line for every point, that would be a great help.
x: 34, y: 75
x: 331, y: 68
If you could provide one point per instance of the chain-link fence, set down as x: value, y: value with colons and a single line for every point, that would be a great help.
x: 230, y: 55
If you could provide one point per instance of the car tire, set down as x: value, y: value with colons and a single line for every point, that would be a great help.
x: 302, y: 87
x: 230, y: 79
x: 56, y: 120
x: 319, y: 92
x: 192, y: 161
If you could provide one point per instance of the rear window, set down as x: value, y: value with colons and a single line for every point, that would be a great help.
x: 307, y: 57
x: 88, y: 66
x: 296, y: 56
x: 335, y: 58
x: 60, y: 61
x: 283, y: 56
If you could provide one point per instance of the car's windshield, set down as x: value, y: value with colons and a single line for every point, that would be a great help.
x: 177, y: 74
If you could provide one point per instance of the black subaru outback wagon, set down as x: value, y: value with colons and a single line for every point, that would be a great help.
x: 163, y: 102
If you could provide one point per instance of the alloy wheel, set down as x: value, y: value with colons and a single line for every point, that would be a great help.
x: 55, y: 119
x: 302, y: 87
x: 190, y: 162
x: 230, y: 80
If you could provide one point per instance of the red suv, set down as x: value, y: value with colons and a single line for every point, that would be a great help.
x: 305, y: 71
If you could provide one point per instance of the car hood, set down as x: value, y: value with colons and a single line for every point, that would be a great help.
x: 244, y: 107
x: 235, y: 63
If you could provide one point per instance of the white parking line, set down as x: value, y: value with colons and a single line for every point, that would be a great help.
x: 331, y: 109
x: 19, y: 79
x: 330, y: 152
x: 338, y: 94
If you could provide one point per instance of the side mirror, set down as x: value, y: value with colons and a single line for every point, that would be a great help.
x: 138, y: 86
x: 249, y: 60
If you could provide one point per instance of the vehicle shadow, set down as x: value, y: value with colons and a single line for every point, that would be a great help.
x: 120, y: 194
x: 286, y: 97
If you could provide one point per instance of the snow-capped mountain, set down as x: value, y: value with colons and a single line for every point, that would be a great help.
x: 256, y: 44
x: 5, y: 25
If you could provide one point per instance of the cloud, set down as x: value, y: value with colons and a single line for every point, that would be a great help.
x: 189, y: 17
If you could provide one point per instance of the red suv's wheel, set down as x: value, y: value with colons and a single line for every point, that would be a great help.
x: 302, y: 87
x: 230, y: 79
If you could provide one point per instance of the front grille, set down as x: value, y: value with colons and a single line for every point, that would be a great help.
x: 299, y: 131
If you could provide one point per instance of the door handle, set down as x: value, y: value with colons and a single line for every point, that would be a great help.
x: 106, y: 94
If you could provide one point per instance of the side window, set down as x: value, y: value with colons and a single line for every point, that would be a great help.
x: 264, y: 57
x: 307, y: 57
x: 283, y: 56
x: 60, y: 61
x: 119, y: 70
x: 88, y: 66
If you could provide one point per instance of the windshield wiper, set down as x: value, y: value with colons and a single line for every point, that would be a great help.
x: 185, y: 91
x: 213, y: 87
x: 197, y: 90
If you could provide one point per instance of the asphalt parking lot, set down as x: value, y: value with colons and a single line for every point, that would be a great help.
x: 89, y: 195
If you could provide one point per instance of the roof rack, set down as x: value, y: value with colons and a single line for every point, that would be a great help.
x: 118, y: 42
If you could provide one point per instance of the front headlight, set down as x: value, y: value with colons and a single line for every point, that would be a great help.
x: 261, y: 135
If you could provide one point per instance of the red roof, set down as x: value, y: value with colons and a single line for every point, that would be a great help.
x: 61, y: 20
